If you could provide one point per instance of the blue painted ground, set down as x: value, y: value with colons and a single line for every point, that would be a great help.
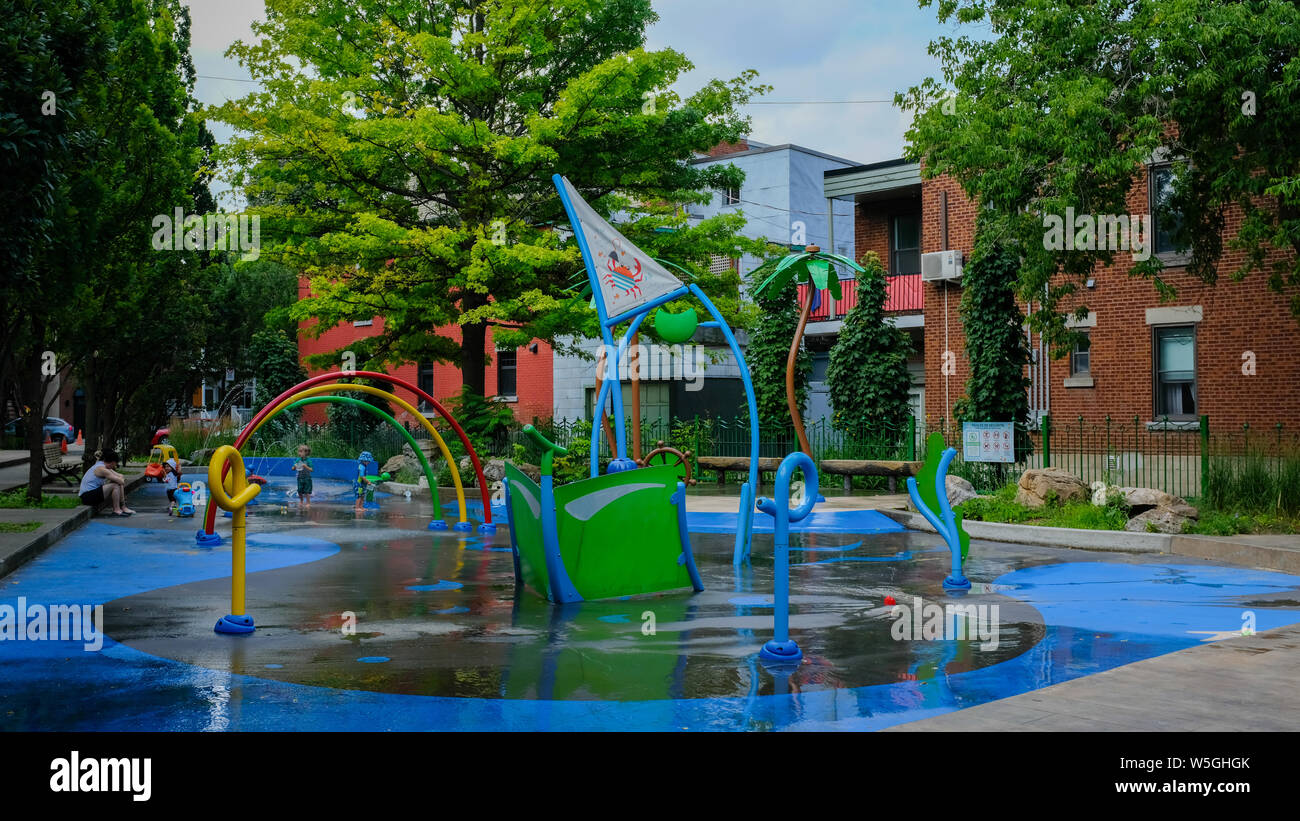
x: 819, y: 521
x: 1095, y: 615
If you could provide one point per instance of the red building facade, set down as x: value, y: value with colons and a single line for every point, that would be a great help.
x: 1229, y: 350
x: 528, y: 370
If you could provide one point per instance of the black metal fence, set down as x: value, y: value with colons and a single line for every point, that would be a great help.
x: 1173, y: 456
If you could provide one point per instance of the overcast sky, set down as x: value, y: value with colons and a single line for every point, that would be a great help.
x: 808, y: 50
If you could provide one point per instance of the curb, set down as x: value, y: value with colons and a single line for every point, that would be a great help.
x: 1118, y: 541
x: 44, y: 541
x: 1262, y: 557
x: 38, y: 545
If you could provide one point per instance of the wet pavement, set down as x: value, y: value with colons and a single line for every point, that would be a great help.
x: 369, y: 621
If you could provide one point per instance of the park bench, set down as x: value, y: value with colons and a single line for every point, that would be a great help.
x: 723, y: 464
x: 848, y: 468
x: 59, y: 467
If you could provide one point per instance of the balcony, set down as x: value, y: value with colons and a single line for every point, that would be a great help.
x: 903, y: 294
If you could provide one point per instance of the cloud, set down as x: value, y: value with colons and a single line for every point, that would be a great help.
x: 816, y: 50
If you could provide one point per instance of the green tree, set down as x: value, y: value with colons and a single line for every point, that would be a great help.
x: 136, y: 344
x: 400, y: 154
x: 997, y: 389
x: 867, y: 374
x: 52, y: 64
x: 1063, y: 104
x: 272, y: 359
x: 123, y: 145
x: 351, y: 422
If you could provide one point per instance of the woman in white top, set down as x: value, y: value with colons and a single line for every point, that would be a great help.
x: 102, y: 482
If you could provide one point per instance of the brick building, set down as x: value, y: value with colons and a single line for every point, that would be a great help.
x: 521, y: 377
x: 1229, y: 351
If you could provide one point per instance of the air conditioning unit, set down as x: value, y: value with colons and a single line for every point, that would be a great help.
x: 941, y: 266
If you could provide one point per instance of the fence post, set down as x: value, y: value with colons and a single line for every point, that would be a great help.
x: 1047, y: 440
x: 911, y: 438
x: 1205, y: 452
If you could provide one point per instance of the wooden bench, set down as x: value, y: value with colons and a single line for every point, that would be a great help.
x: 740, y: 464
x: 848, y: 468
x: 59, y: 467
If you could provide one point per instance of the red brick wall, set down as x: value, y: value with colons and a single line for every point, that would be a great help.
x: 873, y: 224
x: 1237, y: 317
x: 943, y: 328
x: 533, y: 374
x: 722, y: 149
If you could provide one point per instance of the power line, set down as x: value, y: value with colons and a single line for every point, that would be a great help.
x: 755, y: 102
x: 816, y: 102
x: 228, y: 79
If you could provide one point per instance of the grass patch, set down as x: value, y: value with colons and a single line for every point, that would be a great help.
x: 18, y: 499
x: 18, y: 527
x: 1002, y: 507
x: 1220, y: 523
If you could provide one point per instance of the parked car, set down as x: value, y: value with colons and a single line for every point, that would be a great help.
x: 160, y: 437
x: 57, y: 429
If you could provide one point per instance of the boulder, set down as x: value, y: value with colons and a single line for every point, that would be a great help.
x: 494, y: 470
x: 959, y: 490
x: 1163, y: 520
x: 1141, y: 499
x: 201, y: 456
x: 399, y: 463
x: 1037, y: 484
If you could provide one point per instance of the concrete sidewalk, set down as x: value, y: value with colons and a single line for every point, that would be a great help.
x: 18, y: 548
x: 1234, y: 685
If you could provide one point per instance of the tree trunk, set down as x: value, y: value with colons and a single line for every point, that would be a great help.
x: 91, y: 435
x: 473, y: 340
x: 34, y: 427
x: 790, y: 364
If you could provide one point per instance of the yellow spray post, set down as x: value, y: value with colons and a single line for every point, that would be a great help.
x: 234, y: 495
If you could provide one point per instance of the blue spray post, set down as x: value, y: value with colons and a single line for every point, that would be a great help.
x: 947, y: 525
x: 781, y: 648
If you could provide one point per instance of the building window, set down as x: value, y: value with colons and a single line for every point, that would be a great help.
x: 905, y: 249
x: 1079, y: 357
x: 362, y: 323
x: 730, y: 196
x: 1175, y: 372
x: 1166, y: 220
x: 506, y: 368
x: 424, y: 381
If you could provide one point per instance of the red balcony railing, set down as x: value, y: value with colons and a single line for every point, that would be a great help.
x: 903, y: 293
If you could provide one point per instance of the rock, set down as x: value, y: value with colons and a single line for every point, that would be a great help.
x: 1037, y: 484
x: 1163, y: 520
x: 959, y: 490
x: 531, y: 471
x: 399, y: 463
x: 201, y: 456
x: 1101, y: 493
x: 1142, y: 499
